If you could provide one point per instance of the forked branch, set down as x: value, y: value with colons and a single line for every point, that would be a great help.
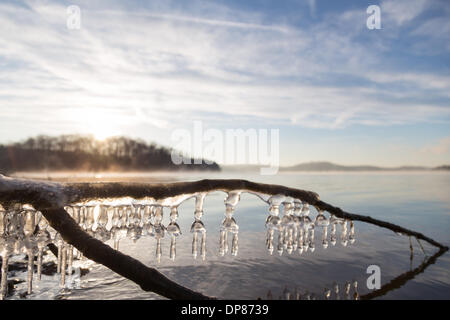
x: 50, y: 198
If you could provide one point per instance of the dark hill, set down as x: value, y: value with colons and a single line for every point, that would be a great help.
x: 74, y: 153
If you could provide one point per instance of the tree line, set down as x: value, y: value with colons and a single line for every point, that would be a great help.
x: 84, y: 152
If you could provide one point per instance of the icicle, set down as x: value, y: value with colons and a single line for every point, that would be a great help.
x: 16, y: 229
x: 296, y: 223
x: 70, y: 262
x: 194, y: 245
x: 173, y: 244
x: 336, y: 291
x: 300, y: 240
x: 6, y: 249
x: 327, y: 294
x: 134, y: 231
x: 173, y: 229
x: 325, y: 237
x: 273, y: 221
x: 63, y: 265
x: 149, y: 227
x: 4, y: 278
x: 129, y: 214
x: 42, y: 241
x: 116, y: 238
x: 203, y: 246
x: 158, y: 250
x: 355, y: 290
x: 29, y: 223
x: 76, y: 214
x: 269, y: 240
x: 298, y: 295
x: 146, y: 220
x: 288, y: 224
x: 344, y: 239
x: 286, y: 294
x: 59, y: 242
x: 311, y: 239
x: 115, y: 220
x: 222, y: 243
x: 146, y: 214
x: 198, y: 227
x: 306, y: 224
x: 138, y: 214
x: 229, y: 224
x: 347, y: 290
x: 90, y: 219
x: 305, y: 239
x: 234, y: 245
x: 30, y: 252
x: 102, y: 220
x: 123, y: 216
x: 159, y: 230
x: 118, y: 224
x: 322, y: 221
x: 351, y: 236
x: 305, y: 210
x: 333, y: 234
x: 82, y: 217
x: 3, y: 221
x: 280, y: 245
x: 29, y: 226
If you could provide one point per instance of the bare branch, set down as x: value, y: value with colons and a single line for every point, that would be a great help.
x: 51, y: 197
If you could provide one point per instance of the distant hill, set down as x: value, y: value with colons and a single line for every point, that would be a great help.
x: 329, y: 166
x: 444, y: 167
x: 84, y: 153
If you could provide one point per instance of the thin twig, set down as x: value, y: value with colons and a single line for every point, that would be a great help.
x: 420, y: 244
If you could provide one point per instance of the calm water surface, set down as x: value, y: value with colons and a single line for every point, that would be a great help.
x: 417, y: 201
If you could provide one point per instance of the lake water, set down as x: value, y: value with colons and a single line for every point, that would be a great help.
x: 419, y: 201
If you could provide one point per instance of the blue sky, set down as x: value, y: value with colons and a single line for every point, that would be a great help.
x: 336, y: 90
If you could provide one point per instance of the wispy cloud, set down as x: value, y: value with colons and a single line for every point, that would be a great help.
x: 169, y: 67
x: 403, y: 11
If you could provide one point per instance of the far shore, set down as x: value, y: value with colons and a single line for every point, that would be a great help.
x: 158, y: 176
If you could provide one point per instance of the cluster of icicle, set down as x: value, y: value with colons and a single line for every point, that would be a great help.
x: 349, y: 292
x: 296, y: 229
x: 25, y: 230
x: 116, y: 219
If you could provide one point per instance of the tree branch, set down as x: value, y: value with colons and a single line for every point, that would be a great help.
x: 51, y: 197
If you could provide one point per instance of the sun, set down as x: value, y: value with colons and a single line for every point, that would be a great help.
x: 102, y: 132
x: 101, y: 126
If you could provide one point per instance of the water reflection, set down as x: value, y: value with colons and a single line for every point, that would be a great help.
x: 349, y: 292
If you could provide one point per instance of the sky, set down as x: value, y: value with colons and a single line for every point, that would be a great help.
x: 335, y: 89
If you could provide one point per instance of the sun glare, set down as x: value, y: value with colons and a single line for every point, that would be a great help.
x: 102, y: 134
x: 101, y: 126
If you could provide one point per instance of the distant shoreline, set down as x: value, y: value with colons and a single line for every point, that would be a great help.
x: 331, y: 167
